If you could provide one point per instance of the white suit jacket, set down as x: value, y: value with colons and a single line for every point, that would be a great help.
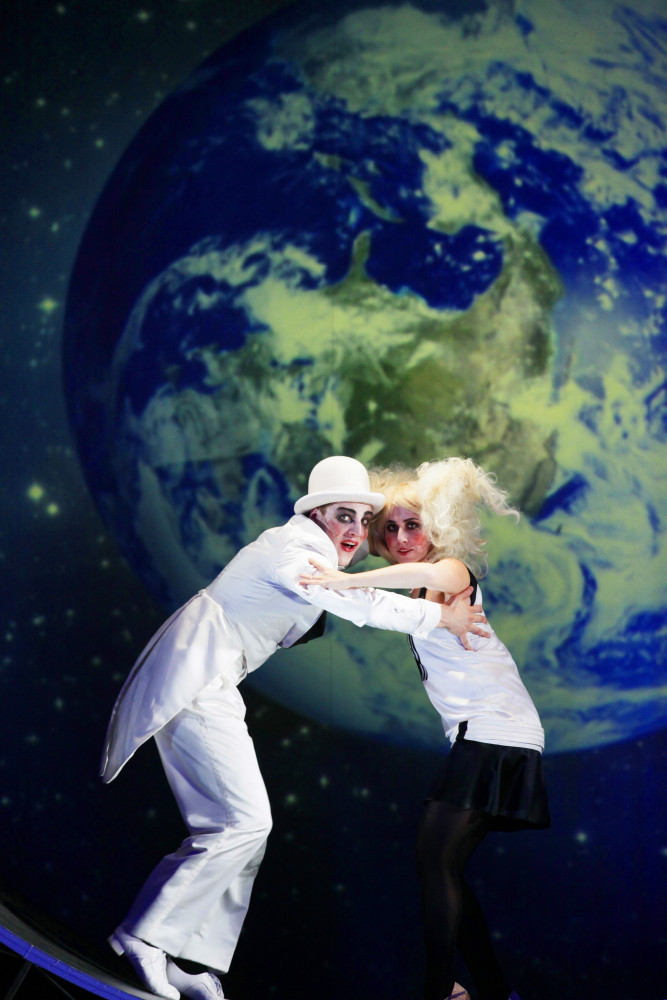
x: 227, y: 630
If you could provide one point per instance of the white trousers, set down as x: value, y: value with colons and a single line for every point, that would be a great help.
x: 194, y: 902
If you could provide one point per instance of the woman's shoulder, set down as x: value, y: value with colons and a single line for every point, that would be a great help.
x: 455, y: 576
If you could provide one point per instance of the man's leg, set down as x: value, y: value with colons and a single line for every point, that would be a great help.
x: 194, y: 902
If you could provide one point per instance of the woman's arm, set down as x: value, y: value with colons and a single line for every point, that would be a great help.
x: 448, y: 575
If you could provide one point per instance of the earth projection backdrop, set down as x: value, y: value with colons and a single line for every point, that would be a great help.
x: 400, y: 232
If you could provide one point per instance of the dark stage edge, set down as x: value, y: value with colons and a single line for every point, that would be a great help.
x: 40, y: 950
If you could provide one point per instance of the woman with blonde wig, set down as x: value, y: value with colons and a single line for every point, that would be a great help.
x: 430, y: 531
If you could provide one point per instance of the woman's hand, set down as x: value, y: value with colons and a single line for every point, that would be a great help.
x: 327, y: 577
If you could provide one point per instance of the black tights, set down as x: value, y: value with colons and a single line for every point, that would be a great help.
x: 452, y: 916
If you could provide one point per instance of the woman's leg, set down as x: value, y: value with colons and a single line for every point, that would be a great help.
x: 474, y: 944
x: 451, y: 914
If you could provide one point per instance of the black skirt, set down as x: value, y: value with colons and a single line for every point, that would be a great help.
x: 505, y: 782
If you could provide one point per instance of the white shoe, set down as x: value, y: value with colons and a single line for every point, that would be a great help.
x: 205, y: 986
x: 149, y: 962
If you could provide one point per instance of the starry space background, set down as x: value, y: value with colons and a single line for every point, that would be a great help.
x: 577, y: 910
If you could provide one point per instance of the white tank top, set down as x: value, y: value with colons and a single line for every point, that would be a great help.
x: 481, y: 686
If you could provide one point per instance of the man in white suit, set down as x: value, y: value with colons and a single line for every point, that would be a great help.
x: 183, y: 691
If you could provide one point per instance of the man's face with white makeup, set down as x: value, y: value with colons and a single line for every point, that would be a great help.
x: 346, y: 523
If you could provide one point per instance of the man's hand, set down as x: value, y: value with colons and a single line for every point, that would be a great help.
x: 459, y: 617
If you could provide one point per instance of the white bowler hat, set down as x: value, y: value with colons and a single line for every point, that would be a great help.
x: 338, y: 478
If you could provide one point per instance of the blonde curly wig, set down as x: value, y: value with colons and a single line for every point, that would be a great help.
x: 448, y: 496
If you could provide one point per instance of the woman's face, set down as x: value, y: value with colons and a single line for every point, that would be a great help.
x: 404, y: 536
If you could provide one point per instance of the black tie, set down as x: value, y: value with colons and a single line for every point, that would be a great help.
x: 315, y: 630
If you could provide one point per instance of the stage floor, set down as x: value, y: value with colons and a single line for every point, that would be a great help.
x: 41, y: 950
